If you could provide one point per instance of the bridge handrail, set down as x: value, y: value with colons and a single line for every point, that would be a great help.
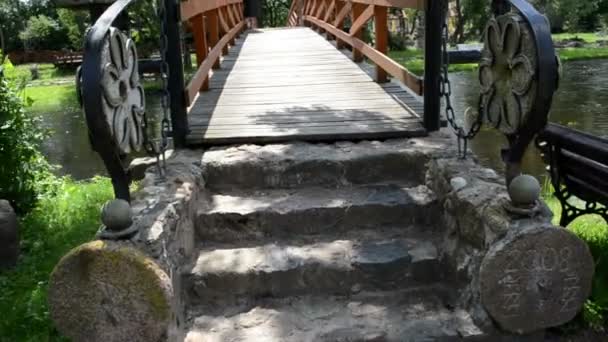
x: 213, y: 18
x: 329, y: 15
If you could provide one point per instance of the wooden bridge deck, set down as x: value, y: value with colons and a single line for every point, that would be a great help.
x: 292, y: 84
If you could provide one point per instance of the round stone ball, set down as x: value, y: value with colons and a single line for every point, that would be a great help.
x: 116, y: 215
x: 524, y: 190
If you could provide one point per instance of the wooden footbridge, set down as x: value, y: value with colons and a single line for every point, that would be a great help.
x: 292, y: 84
x: 298, y: 83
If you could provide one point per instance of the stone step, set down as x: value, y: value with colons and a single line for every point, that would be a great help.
x: 302, y: 164
x: 367, y: 317
x: 284, y: 213
x: 221, y: 276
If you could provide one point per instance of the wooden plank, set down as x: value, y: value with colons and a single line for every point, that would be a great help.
x: 191, y: 8
x: 362, y: 19
x: 224, y: 25
x: 313, y: 134
x: 279, y: 109
x: 203, y: 70
x: 282, y: 85
x: 296, y: 121
x: 330, y: 10
x: 415, y: 4
x: 320, y: 9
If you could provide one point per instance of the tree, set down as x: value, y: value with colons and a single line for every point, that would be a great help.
x: 275, y: 12
x: 75, y: 24
x: 42, y: 32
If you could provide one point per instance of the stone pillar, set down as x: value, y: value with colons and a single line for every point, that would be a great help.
x: 9, y: 236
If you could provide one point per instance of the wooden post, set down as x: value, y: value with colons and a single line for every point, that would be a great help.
x: 200, y: 43
x: 434, y: 19
x: 173, y: 55
x: 381, y: 28
x: 223, y: 31
x: 339, y: 5
x: 300, y: 12
x: 214, y: 32
x: 356, y: 12
x: 229, y: 18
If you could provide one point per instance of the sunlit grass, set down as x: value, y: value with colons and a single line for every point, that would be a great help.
x: 592, y: 229
x: 588, y: 37
x: 63, y: 219
x: 575, y: 54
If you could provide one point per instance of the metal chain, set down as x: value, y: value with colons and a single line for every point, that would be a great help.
x: 446, y: 92
x: 158, y: 148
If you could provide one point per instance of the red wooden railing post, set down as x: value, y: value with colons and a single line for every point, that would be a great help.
x: 357, y: 10
x: 381, y: 28
x: 200, y: 43
x: 214, y: 32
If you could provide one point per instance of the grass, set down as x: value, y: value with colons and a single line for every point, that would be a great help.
x: 589, y: 37
x: 577, y: 54
x: 63, y: 219
x: 54, y: 96
x: 413, y: 59
x: 46, y: 72
x: 594, y: 231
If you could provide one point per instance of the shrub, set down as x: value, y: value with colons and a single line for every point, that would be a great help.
x: 23, y: 169
x: 44, y: 33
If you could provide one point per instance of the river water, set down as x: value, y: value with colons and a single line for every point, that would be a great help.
x: 581, y: 103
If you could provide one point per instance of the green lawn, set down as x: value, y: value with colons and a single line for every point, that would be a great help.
x: 593, y: 230
x: 45, y: 97
x: 63, y: 219
x: 413, y: 59
x: 46, y: 72
x: 590, y: 37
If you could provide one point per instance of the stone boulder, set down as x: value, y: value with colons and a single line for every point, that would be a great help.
x: 111, y: 292
x: 9, y: 235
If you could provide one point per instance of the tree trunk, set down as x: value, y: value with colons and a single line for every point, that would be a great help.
x: 458, y: 37
x: 420, y: 31
x: 3, y: 52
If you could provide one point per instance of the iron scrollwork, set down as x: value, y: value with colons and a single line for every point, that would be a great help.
x: 578, y: 165
x: 124, y: 98
x: 518, y: 76
x: 111, y: 95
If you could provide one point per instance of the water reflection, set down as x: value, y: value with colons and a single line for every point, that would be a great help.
x: 580, y: 103
x: 68, y: 145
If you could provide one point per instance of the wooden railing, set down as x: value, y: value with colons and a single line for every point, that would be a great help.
x: 329, y: 16
x: 215, y: 25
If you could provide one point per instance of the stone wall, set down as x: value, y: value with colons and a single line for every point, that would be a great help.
x: 519, y: 272
x: 135, y: 282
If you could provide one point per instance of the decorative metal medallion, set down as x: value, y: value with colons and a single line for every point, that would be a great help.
x: 124, y: 99
x: 507, y: 73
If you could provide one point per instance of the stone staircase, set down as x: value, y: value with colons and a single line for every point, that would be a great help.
x: 389, y: 241
x: 305, y: 242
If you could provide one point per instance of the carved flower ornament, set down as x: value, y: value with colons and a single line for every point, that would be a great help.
x: 507, y: 73
x: 124, y: 99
